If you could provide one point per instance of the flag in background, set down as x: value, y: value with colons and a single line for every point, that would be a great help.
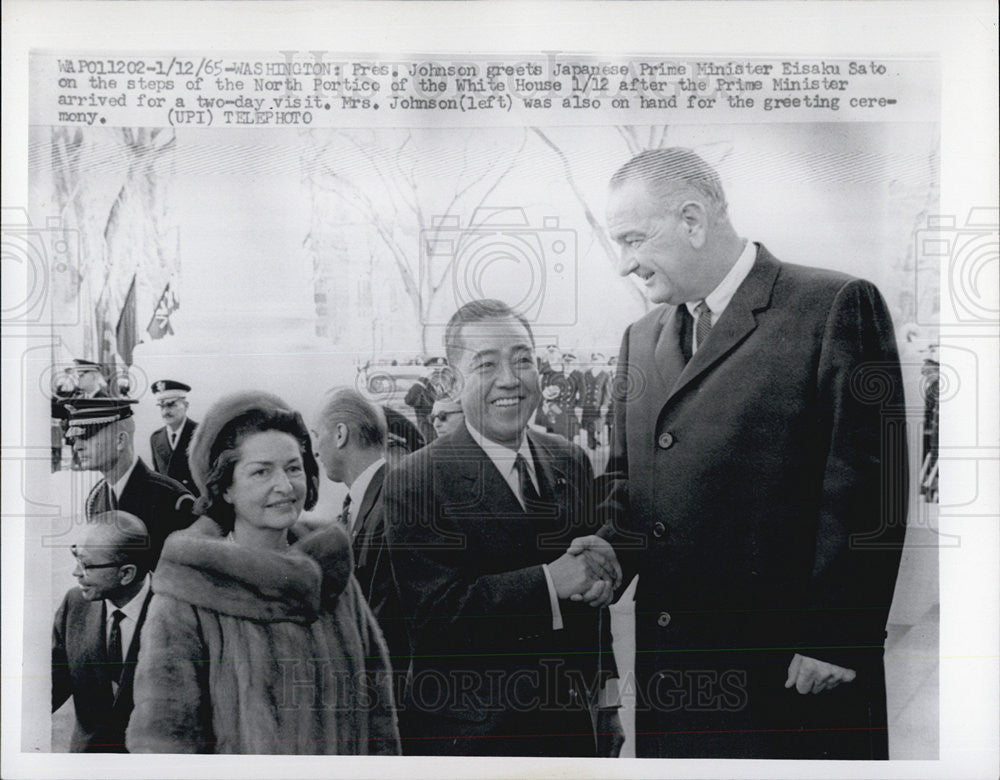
x: 126, y: 332
x: 159, y: 326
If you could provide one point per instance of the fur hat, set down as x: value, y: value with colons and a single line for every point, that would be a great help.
x: 201, y: 453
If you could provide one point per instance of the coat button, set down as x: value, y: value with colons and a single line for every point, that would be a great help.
x: 664, y: 619
x: 666, y: 441
x: 659, y: 529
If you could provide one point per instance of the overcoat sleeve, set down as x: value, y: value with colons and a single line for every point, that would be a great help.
x: 612, y: 485
x: 62, y: 681
x: 862, y: 516
x: 172, y: 711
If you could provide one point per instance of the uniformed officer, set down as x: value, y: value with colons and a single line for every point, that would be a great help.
x: 169, y: 444
x: 101, y: 432
x: 89, y: 378
x: 595, y: 394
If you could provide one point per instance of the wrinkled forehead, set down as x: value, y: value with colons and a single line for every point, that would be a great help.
x: 633, y: 200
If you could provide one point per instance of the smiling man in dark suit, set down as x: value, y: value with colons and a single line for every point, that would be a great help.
x: 95, y: 636
x: 169, y: 444
x: 757, y: 482
x: 500, y: 586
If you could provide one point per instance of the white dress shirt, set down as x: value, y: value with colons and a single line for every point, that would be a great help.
x: 504, y: 459
x: 129, y: 622
x: 719, y: 298
x: 174, y: 435
x: 357, y: 492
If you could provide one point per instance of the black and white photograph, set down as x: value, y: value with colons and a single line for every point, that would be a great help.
x: 398, y: 409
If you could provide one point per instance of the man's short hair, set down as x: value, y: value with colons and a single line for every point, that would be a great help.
x: 673, y: 173
x: 482, y: 310
x: 363, y: 419
x: 124, y: 536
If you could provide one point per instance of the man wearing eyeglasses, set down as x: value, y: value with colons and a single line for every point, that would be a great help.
x: 446, y: 416
x: 169, y: 444
x: 95, y: 636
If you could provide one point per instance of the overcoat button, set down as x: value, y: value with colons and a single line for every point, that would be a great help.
x: 666, y: 441
x: 659, y: 529
x: 664, y: 619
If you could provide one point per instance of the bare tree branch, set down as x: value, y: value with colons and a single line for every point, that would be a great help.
x: 596, y: 227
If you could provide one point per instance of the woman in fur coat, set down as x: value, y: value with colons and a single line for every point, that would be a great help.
x: 254, y: 642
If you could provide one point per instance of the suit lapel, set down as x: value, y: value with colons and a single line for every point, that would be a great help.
x: 179, y: 452
x: 550, y: 469
x: 559, y: 509
x: 482, y: 492
x: 668, y: 356
x: 95, y: 634
x: 90, y: 650
x: 366, y: 528
x: 737, y: 322
x: 132, y: 492
x: 132, y: 656
x: 161, y: 446
x: 484, y: 483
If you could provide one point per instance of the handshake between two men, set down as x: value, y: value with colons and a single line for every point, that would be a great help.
x: 588, y: 571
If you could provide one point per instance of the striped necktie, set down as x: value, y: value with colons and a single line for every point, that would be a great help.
x: 703, y: 325
x: 345, y: 514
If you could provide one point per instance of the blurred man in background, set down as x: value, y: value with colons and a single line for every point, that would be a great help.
x: 350, y: 444
x: 169, y: 444
x: 595, y: 392
x: 446, y: 416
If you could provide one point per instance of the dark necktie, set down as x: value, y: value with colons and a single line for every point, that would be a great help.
x: 345, y: 513
x: 704, y: 324
x: 684, y: 328
x: 529, y: 495
x: 115, y: 657
x: 102, y: 499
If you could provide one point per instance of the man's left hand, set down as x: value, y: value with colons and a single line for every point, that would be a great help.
x: 810, y: 675
x: 610, y: 734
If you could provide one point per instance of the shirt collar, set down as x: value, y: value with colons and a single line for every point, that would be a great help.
x: 134, y: 607
x: 504, y: 457
x: 719, y: 298
x: 119, y: 486
x: 361, y: 483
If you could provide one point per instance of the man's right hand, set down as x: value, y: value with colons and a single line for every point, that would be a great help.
x: 588, y: 571
x: 571, y: 575
x: 600, y: 557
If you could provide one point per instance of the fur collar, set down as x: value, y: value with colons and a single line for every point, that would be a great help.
x: 201, y: 566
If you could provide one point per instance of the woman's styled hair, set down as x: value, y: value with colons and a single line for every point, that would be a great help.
x: 215, y: 448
